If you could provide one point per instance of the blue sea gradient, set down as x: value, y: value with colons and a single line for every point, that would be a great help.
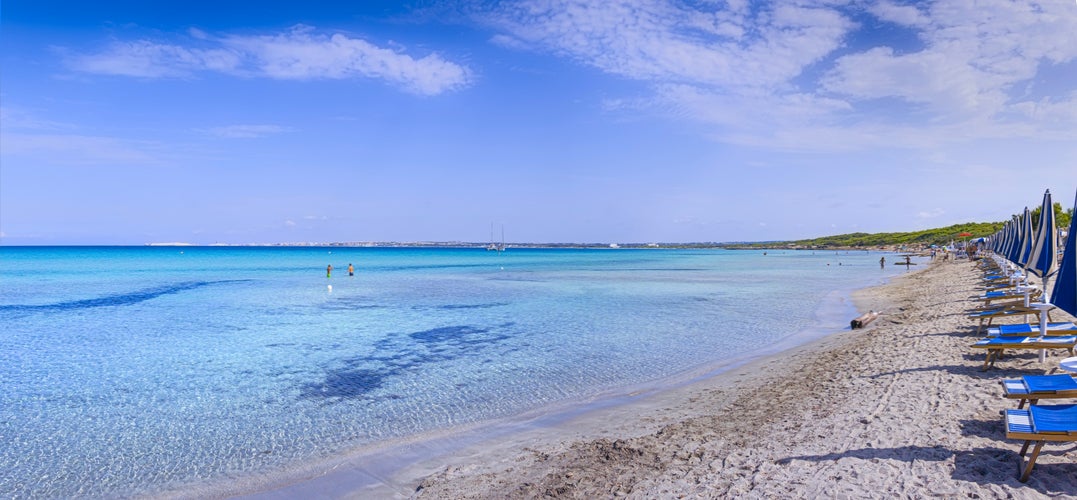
x: 136, y: 370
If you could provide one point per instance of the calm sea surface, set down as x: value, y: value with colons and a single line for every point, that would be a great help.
x: 133, y: 370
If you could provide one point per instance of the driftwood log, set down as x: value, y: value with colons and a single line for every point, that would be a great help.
x: 862, y: 320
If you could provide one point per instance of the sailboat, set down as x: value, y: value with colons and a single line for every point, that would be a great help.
x: 494, y: 246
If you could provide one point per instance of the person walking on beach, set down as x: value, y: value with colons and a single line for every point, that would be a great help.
x: 329, y: 271
x: 351, y: 270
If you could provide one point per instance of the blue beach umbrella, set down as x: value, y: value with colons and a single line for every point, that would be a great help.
x: 1006, y: 240
x: 1064, y: 295
x: 1013, y: 252
x: 1025, y: 250
x: 1044, y: 254
x: 1001, y: 239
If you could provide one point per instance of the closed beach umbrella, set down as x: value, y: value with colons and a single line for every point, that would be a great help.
x: 1003, y: 239
x: 1006, y: 239
x: 1044, y: 255
x: 1013, y: 253
x: 1064, y: 294
x: 1000, y: 239
x: 1015, y: 240
x: 1026, y: 238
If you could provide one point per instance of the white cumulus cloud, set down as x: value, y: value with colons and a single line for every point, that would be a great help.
x: 809, y: 74
x: 302, y: 53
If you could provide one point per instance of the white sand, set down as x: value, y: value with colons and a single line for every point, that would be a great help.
x: 900, y: 409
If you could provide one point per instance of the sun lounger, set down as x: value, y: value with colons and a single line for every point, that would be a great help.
x: 1032, y: 330
x: 1039, y: 424
x: 999, y: 285
x: 1014, y: 302
x: 1032, y: 388
x: 1011, y: 295
x: 996, y: 345
x: 1001, y: 311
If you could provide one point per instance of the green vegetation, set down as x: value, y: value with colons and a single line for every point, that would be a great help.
x: 926, y: 237
x: 938, y: 236
x: 1062, y: 217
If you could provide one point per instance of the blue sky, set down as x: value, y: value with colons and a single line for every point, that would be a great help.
x: 642, y: 121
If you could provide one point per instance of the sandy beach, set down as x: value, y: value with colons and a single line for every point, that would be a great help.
x: 898, y: 409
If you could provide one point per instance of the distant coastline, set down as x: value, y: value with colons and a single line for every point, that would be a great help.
x: 755, y: 246
x: 509, y: 246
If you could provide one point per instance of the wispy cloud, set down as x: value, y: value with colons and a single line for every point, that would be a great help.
x: 21, y: 119
x: 779, y: 73
x: 25, y: 134
x: 666, y: 42
x: 148, y: 59
x: 74, y: 149
x: 246, y: 131
x: 302, y: 53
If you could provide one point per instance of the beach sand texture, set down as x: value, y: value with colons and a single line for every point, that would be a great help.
x: 899, y: 409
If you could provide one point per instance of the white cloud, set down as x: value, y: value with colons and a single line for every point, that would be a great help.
x: 975, y: 55
x: 907, y: 15
x: 775, y: 73
x: 16, y: 118
x: 146, y: 59
x: 75, y: 149
x: 246, y: 131
x: 659, y: 41
x: 301, y: 53
x: 931, y: 214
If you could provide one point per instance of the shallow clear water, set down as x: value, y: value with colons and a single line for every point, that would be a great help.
x: 127, y: 371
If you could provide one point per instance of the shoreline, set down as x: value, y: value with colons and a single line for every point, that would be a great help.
x: 899, y: 408
x: 395, y: 468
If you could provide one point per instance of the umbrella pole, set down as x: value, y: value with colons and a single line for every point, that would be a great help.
x: 1043, y: 318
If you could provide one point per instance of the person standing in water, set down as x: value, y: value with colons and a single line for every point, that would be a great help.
x: 882, y: 262
x: 329, y: 271
x: 351, y: 270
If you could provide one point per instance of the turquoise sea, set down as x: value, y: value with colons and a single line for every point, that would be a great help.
x: 130, y: 371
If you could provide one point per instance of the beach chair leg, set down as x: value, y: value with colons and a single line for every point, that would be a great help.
x: 1025, y: 470
x: 989, y: 360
